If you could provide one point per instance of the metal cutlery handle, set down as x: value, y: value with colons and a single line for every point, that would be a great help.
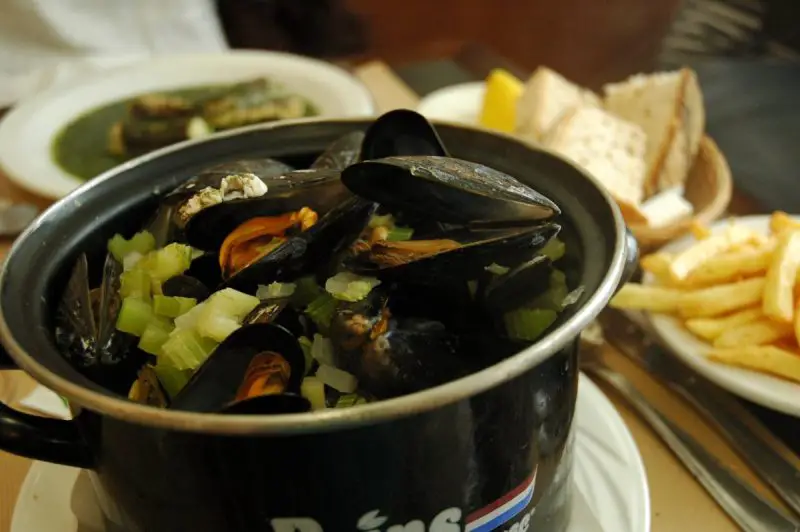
x: 750, y: 511
x: 739, y: 426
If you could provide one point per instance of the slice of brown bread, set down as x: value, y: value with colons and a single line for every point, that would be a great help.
x: 669, y: 107
x: 546, y: 97
x: 607, y: 147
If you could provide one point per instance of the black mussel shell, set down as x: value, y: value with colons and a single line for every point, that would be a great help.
x: 212, y: 176
x: 468, y: 262
x: 401, y: 132
x: 266, y: 312
x: 287, y: 403
x: 321, y: 190
x: 520, y: 285
x: 185, y: 286
x: 342, y: 153
x: 412, y: 355
x: 206, y: 269
x: 310, y: 249
x: 448, y: 190
x: 451, y: 304
x: 215, y: 383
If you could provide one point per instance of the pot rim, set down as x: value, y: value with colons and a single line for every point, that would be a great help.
x: 321, y: 420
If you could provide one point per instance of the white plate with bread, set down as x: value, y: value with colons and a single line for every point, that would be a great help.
x: 643, y: 139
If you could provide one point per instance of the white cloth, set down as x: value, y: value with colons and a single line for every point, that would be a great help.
x: 43, y: 42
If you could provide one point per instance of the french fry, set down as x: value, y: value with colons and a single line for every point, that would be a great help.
x: 731, y: 266
x: 658, y: 265
x: 781, y: 277
x: 699, y: 231
x: 721, y: 299
x: 711, y: 328
x: 652, y: 298
x: 797, y: 323
x: 687, y: 260
x: 764, y: 358
x: 759, y: 332
x: 780, y: 221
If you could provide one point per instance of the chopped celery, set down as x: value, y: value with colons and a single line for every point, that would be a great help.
x: 472, y: 286
x: 134, y: 316
x: 553, y: 298
x: 189, y: 320
x: 572, y: 297
x: 305, y: 345
x: 398, y: 234
x: 172, y: 307
x: 385, y: 220
x: 131, y: 260
x: 348, y: 286
x: 171, y: 378
x: 306, y: 291
x: 135, y: 283
x: 528, y: 323
x: 322, y: 350
x: 554, y: 249
x: 186, y: 349
x: 169, y: 261
x: 313, y: 389
x: 232, y: 303
x: 154, y: 335
x: 497, y: 269
x: 321, y: 310
x: 212, y: 324
x: 350, y: 399
x: 338, y: 379
x: 142, y: 243
x: 275, y: 290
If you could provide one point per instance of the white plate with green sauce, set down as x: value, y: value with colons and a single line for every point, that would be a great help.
x: 54, y: 141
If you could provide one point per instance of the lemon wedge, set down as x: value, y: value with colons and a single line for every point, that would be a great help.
x: 503, y: 90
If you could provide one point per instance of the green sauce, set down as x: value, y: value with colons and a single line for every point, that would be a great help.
x: 81, y: 147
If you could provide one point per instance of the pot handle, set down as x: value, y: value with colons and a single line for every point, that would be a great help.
x: 40, y: 438
x: 631, y: 258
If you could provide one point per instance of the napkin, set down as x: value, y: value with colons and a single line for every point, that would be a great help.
x: 46, y: 402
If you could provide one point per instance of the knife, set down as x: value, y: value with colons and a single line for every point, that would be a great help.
x: 750, y: 439
x: 747, y: 508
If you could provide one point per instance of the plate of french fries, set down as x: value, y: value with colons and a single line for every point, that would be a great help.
x: 726, y: 300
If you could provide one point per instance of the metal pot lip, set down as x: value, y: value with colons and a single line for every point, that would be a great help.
x: 331, y: 419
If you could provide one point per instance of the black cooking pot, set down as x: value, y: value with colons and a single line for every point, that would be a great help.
x: 480, y: 453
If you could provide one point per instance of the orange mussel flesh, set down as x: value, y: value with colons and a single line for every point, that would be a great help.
x: 257, y: 237
x: 267, y: 374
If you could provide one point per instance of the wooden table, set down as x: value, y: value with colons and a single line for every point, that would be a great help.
x: 678, y: 501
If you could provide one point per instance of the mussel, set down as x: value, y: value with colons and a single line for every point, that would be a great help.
x: 292, y: 256
x: 148, y: 390
x: 395, y: 356
x: 449, y: 190
x: 520, y: 285
x: 319, y: 190
x: 264, y: 168
x: 342, y: 153
x: 86, y: 327
x: 461, y: 258
x: 401, y: 132
x: 256, y: 361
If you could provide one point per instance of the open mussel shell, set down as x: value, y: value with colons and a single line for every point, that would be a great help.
x: 320, y: 190
x: 147, y: 389
x: 185, y: 286
x: 519, y: 286
x: 301, y: 254
x: 448, y: 190
x: 346, y: 150
x: 401, y: 132
x: 206, y: 269
x: 215, y: 385
x: 466, y: 262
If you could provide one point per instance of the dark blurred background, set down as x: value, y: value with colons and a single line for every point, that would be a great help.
x: 591, y: 41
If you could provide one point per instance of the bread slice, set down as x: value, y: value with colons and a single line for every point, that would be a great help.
x: 607, y: 147
x: 546, y: 97
x: 669, y: 108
